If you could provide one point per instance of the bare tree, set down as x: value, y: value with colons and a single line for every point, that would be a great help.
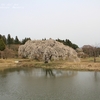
x: 92, y: 51
x: 96, y: 51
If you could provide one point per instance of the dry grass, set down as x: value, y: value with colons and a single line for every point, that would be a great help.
x: 4, y: 64
x: 90, y: 59
x: 85, y: 64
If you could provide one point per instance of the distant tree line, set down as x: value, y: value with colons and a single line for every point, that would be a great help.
x: 9, y: 46
x: 10, y: 40
x: 68, y: 43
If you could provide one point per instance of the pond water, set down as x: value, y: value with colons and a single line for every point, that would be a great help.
x: 42, y: 84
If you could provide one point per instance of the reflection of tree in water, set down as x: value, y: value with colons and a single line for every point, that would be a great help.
x: 95, y: 75
x: 40, y: 72
x: 66, y: 73
x: 4, y: 72
x: 27, y: 71
x: 49, y: 72
x: 53, y: 72
x: 71, y: 73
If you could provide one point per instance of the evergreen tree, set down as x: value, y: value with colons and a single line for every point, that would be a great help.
x: 25, y: 40
x: 0, y: 36
x: 4, y: 39
x: 2, y: 45
x: 67, y: 42
x: 16, y: 40
x: 74, y: 46
x: 12, y: 40
x: 9, y: 41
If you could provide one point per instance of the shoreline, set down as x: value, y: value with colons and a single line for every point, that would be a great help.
x: 64, y: 65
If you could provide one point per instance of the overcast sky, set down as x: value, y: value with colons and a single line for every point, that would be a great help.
x: 76, y: 20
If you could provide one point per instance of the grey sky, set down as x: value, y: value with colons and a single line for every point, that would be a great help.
x: 76, y: 20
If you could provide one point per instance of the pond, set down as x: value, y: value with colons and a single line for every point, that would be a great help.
x: 42, y: 84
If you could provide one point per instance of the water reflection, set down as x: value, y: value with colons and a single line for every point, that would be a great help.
x: 97, y: 76
x: 5, y: 72
x: 49, y: 72
x: 39, y: 72
x: 49, y: 84
x: 53, y: 72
